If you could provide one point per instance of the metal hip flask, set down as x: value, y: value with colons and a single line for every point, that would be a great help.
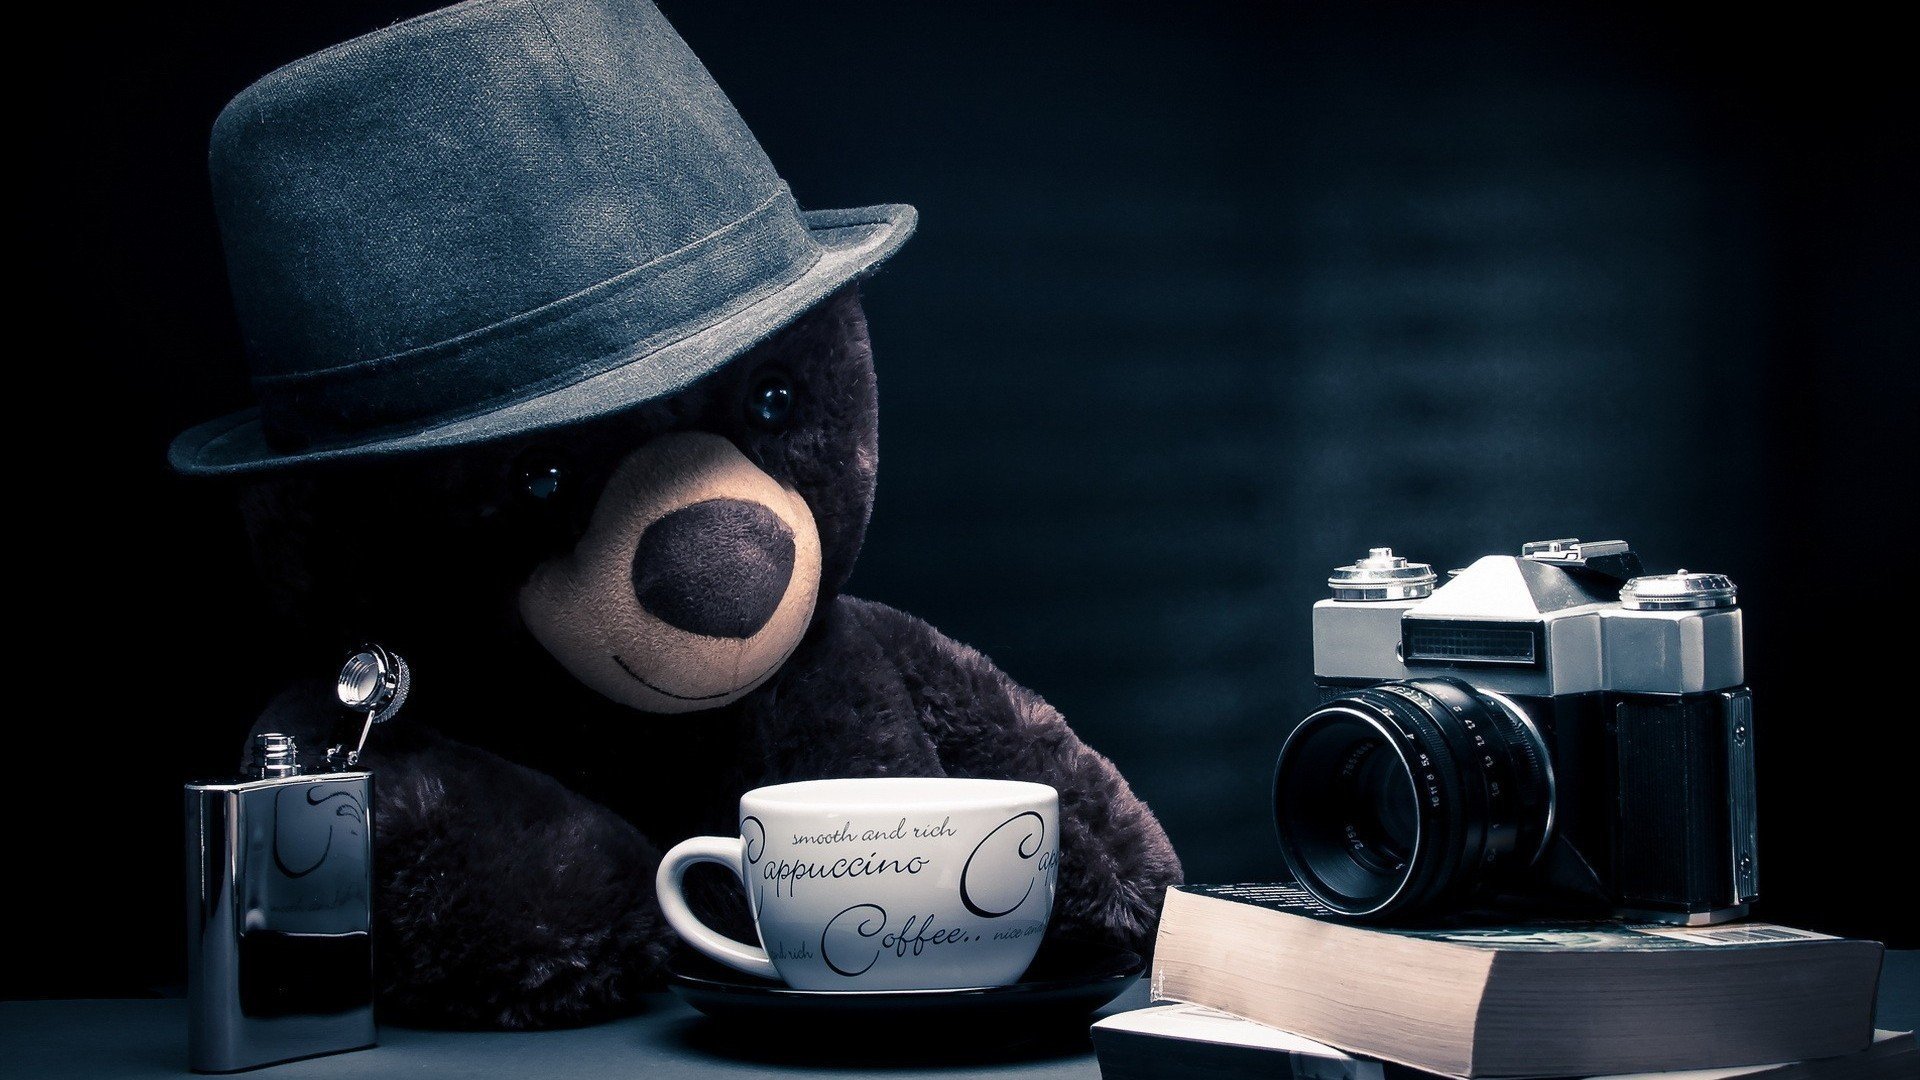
x: 279, y: 934
x: 279, y: 895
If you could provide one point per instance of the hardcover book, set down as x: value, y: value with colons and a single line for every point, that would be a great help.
x: 1197, y: 1043
x: 1537, y: 999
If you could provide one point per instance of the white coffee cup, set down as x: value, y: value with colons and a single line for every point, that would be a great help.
x: 892, y: 883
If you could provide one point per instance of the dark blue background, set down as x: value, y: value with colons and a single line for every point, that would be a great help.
x: 1206, y: 299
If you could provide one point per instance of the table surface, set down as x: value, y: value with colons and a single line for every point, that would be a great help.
x: 666, y: 1041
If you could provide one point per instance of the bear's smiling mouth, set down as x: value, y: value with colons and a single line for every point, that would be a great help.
x: 642, y: 679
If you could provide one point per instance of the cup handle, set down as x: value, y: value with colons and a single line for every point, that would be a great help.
x: 725, y: 850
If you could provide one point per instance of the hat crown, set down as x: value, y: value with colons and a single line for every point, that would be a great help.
x: 499, y: 218
x: 463, y: 169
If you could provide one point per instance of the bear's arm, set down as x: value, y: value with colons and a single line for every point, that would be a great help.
x: 883, y: 693
x: 501, y: 898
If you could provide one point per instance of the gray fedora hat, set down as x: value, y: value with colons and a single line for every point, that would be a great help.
x: 500, y: 217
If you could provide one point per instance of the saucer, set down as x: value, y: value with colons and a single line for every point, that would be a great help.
x: 1067, y: 982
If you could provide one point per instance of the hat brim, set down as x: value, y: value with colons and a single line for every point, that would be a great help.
x: 852, y: 242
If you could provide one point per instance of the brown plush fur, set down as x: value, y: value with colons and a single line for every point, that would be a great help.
x: 521, y: 815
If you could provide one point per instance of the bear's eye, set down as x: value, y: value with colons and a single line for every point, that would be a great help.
x: 541, y: 477
x: 770, y: 402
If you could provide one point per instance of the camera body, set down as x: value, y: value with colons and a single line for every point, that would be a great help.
x: 1562, y: 723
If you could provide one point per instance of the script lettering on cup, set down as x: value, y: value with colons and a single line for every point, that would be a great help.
x: 754, y: 832
x: 870, y: 921
x: 787, y: 874
x: 914, y: 937
x: 1020, y: 836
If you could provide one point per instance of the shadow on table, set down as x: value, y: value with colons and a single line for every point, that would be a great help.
x: 938, y: 1046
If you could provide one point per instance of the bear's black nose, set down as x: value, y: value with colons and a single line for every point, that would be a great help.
x: 717, y: 568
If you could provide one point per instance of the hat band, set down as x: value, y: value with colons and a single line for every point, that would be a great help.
x: 601, y: 327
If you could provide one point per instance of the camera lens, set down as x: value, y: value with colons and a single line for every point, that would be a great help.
x: 1390, y: 799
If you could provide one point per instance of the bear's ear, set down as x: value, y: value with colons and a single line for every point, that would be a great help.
x: 825, y: 442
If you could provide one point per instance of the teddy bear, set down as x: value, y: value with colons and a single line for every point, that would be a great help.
x: 565, y: 399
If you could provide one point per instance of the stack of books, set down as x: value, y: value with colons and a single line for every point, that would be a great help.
x: 1271, y: 984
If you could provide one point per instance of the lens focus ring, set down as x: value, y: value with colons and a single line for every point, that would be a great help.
x: 1467, y: 789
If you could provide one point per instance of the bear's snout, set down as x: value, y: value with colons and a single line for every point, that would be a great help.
x: 718, y: 568
x: 695, y: 579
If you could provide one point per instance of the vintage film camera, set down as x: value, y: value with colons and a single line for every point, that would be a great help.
x: 1553, y: 726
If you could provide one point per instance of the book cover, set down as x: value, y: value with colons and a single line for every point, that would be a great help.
x: 1487, y: 930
